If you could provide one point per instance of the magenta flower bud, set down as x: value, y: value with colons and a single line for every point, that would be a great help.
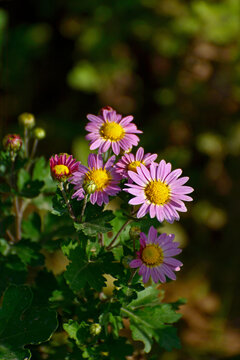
x: 12, y: 142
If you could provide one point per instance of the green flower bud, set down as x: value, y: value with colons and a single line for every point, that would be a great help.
x: 27, y: 120
x: 89, y: 187
x: 12, y: 142
x: 39, y: 133
x: 134, y: 232
x: 95, y: 329
x: 126, y: 261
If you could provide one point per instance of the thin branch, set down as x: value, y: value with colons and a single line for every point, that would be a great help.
x: 118, y: 233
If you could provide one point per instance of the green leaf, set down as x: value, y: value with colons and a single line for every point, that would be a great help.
x: 96, y: 221
x: 115, y: 322
x: 149, y: 297
x: 167, y: 338
x: 21, y: 324
x: 82, y: 271
x: 12, y: 271
x: 58, y: 204
x: 22, y: 179
x: 31, y: 189
x: 76, y: 331
x: 41, y: 171
x: 148, y: 319
x: 31, y: 228
x: 29, y: 253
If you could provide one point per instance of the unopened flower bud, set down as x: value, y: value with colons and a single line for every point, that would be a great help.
x: 95, y: 329
x: 27, y: 120
x: 12, y: 142
x: 39, y: 133
x: 134, y: 232
x: 89, y: 187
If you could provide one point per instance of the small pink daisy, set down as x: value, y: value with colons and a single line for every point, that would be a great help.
x: 131, y: 162
x: 111, y: 130
x: 63, y: 166
x: 159, y: 191
x: 99, y: 180
x: 155, y: 257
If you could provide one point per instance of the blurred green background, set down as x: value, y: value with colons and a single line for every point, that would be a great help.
x: 174, y: 65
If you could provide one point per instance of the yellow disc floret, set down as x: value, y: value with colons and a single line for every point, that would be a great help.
x: 152, y: 255
x: 133, y: 165
x: 100, y: 177
x: 61, y: 170
x: 157, y: 192
x: 112, y: 131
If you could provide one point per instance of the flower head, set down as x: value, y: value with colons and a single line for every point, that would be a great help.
x: 131, y: 162
x: 27, y: 120
x: 63, y: 166
x: 155, y: 257
x: 159, y: 191
x: 12, y: 142
x: 109, y: 129
x: 100, y: 178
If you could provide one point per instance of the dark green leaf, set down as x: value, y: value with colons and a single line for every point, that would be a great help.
x: 81, y: 270
x: 96, y: 221
x: 31, y: 188
x: 21, y: 324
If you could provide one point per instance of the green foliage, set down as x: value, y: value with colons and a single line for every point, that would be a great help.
x: 149, y: 319
x: 82, y: 271
x: 21, y: 324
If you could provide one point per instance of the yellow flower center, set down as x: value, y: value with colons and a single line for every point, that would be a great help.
x: 61, y: 170
x: 100, y: 177
x: 157, y: 192
x: 152, y: 255
x: 112, y: 131
x: 133, y: 165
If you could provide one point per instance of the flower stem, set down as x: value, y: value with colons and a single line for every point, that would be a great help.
x: 132, y: 276
x: 18, y: 214
x: 67, y: 202
x: 84, y: 207
x: 110, y: 246
x: 34, y: 148
x: 26, y: 140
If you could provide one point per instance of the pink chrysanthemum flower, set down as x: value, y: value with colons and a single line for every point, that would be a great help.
x: 111, y: 130
x: 63, y: 166
x: 131, y: 162
x: 159, y: 191
x: 155, y: 257
x: 99, y: 180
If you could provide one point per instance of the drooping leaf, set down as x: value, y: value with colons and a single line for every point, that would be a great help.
x: 21, y: 324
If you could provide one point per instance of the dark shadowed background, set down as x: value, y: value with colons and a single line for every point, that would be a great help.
x: 174, y: 65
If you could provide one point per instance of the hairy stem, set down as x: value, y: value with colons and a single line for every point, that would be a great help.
x: 67, y: 202
x: 84, y: 207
